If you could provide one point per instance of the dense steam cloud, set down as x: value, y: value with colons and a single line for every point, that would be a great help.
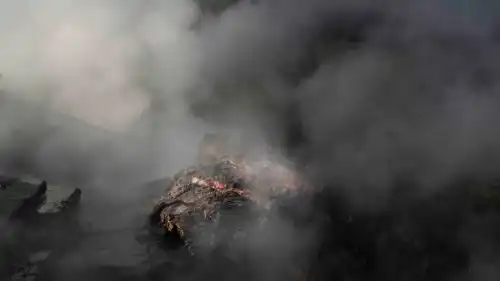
x: 107, y: 64
x: 365, y: 93
x: 379, y: 89
x: 85, y: 57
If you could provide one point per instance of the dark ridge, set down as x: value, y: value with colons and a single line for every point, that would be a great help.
x: 29, y: 207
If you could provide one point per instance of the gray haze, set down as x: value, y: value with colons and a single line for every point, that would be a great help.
x: 415, y: 96
x: 413, y: 88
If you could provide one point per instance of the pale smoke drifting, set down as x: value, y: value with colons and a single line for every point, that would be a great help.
x: 119, y: 65
x: 112, y: 62
x: 405, y: 100
x: 369, y: 114
x: 83, y: 57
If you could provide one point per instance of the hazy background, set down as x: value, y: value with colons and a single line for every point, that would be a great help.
x: 377, y: 88
x: 106, y: 94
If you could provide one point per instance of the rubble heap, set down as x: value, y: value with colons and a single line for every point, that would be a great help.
x: 197, y: 194
x: 203, y: 194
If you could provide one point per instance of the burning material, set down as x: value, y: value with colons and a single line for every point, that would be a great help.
x: 205, y: 193
x: 196, y: 194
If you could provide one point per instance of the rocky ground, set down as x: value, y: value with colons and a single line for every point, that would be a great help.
x: 451, y: 234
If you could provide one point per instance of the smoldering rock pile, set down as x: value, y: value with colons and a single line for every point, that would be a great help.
x: 211, y: 193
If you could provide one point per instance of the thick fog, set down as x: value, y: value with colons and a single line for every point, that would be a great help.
x: 363, y: 93
x: 378, y: 88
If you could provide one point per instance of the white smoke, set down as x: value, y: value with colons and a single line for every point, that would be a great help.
x: 82, y: 57
x: 398, y: 102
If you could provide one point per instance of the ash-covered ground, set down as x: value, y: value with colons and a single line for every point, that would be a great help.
x: 389, y: 108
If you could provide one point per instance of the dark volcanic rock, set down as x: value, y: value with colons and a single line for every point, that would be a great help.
x: 31, y: 239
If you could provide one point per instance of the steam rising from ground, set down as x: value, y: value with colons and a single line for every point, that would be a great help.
x: 365, y: 107
x: 384, y: 91
x: 84, y: 58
